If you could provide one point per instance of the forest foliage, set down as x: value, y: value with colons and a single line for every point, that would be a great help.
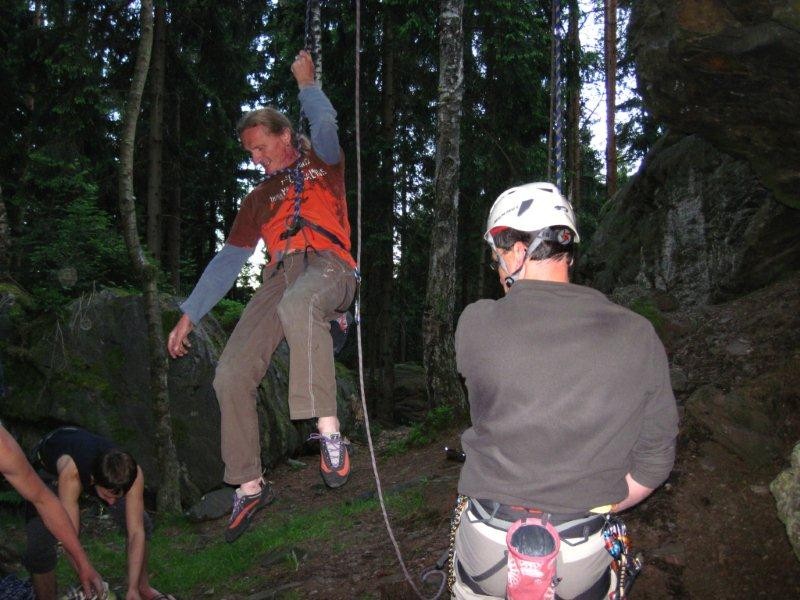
x: 67, y: 65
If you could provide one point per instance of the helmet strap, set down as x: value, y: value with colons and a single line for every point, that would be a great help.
x: 513, y: 277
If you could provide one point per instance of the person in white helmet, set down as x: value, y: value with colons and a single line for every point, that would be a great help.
x: 571, y: 405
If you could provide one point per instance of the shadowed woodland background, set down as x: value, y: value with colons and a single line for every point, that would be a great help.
x: 707, y: 207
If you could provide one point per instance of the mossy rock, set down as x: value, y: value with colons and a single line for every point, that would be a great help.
x: 786, y: 490
x: 92, y: 368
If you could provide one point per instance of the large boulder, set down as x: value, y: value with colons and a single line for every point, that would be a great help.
x: 727, y: 71
x: 91, y: 368
x: 696, y: 223
x: 786, y: 490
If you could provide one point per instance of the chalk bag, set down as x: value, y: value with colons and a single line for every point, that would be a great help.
x: 532, y: 551
x: 340, y: 327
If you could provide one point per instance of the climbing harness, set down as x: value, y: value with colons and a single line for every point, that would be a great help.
x: 626, y: 564
x: 340, y: 326
x: 502, y: 516
x: 297, y: 179
x: 533, y: 538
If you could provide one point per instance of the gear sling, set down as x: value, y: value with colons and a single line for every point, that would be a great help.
x: 340, y: 326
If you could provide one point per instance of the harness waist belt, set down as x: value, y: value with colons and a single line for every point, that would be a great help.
x: 502, y: 516
x: 507, y: 512
x: 301, y: 222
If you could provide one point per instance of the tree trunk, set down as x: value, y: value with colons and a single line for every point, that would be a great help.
x: 402, y: 317
x: 172, y: 219
x: 168, y: 490
x: 610, y: 43
x: 5, y: 241
x: 574, y: 105
x: 155, y: 143
x: 385, y: 322
x: 443, y: 385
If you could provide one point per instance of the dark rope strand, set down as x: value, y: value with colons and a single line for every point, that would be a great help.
x: 558, y: 116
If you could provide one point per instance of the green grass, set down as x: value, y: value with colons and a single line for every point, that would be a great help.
x: 186, y: 564
x: 422, y: 434
x: 647, y: 308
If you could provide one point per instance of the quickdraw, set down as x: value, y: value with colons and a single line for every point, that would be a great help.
x: 294, y: 225
x: 626, y: 565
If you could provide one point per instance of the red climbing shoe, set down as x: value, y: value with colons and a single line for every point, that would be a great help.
x: 244, y: 507
x: 334, y: 458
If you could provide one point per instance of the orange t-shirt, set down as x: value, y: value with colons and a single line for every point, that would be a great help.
x: 267, y: 211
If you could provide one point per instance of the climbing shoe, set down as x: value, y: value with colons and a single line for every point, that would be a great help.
x: 334, y: 458
x: 244, y: 507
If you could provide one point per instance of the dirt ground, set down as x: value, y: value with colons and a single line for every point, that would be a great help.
x: 710, y: 532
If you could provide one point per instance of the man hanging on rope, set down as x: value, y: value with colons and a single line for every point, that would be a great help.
x: 572, y: 413
x: 300, y: 212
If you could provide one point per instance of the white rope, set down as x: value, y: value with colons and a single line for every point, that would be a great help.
x: 358, y: 316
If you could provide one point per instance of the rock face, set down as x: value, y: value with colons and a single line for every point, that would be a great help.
x: 91, y: 369
x: 786, y: 490
x: 726, y: 70
x: 714, y: 211
x: 696, y: 223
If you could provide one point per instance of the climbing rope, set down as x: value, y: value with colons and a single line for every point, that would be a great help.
x: 313, y: 35
x: 358, y: 325
x: 557, y: 124
x: 312, y: 42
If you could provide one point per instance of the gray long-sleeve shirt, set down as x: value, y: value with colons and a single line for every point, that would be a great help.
x: 221, y: 272
x: 568, y: 393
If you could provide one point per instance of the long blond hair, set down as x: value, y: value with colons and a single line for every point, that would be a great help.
x: 275, y: 122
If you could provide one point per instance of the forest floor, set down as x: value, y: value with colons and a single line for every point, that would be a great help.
x: 710, y: 532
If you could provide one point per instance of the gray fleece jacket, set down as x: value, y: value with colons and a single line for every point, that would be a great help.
x: 568, y: 392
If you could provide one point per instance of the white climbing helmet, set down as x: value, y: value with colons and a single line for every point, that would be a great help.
x: 531, y: 207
